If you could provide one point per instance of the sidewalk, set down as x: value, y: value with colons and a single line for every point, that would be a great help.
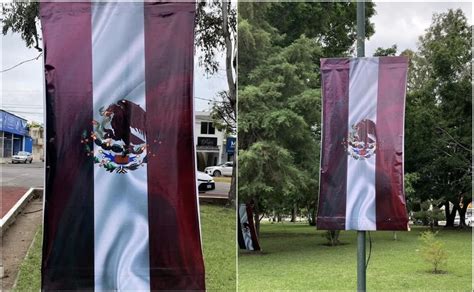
x: 9, y: 196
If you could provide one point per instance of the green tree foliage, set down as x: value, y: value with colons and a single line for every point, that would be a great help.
x: 438, y: 115
x: 280, y: 46
x: 429, y: 213
x: 21, y: 17
x: 433, y: 251
x: 392, y: 51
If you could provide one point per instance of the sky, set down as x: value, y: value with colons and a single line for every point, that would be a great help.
x: 395, y: 23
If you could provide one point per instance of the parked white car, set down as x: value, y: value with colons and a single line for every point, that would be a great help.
x: 205, y: 182
x: 22, y: 156
x: 221, y: 169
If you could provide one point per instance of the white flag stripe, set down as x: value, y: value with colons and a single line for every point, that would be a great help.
x: 245, y: 230
x: 360, y: 194
x: 121, y: 245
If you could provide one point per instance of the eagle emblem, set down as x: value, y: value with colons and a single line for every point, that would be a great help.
x: 120, y: 137
x: 362, y: 140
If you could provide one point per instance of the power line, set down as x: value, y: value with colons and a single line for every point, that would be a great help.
x: 22, y: 107
x: 23, y: 62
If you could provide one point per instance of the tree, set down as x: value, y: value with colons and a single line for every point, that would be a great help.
x: 216, y: 25
x: 21, y: 17
x: 392, y: 51
x: 439, y: 112
x: 280, y: 98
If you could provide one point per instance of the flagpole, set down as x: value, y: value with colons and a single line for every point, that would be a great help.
x: 361, y: 269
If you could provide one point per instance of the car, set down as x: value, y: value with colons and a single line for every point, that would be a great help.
x: 22, y: 156
x: 469, y: 219
x: 205, y: 182
x: 221, y: 169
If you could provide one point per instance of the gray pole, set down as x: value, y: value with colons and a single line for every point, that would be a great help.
x: 361, y: 279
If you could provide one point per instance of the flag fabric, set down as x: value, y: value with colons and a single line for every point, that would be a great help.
x: 121, y: 206
x: 361, y: 179
x: 247, y: 235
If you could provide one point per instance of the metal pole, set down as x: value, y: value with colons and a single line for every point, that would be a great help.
x: 361, y: 277
x: 360, y: 29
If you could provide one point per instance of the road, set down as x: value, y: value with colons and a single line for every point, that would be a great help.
x: 221, y: 190
x: 31, y: 175
x: 22, y: 175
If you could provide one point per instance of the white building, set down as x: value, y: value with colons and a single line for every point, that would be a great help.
x: 210, y: 142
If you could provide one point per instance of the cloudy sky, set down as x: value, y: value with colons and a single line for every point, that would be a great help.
x: 395, y: 23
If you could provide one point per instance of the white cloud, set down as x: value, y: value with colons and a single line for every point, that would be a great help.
x: 403, y: 23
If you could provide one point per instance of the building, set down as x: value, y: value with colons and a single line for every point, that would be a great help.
x: 212, y: 145
x: 14, y: 135
x: 37, y: 134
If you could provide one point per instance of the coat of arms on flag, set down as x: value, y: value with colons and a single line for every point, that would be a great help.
x: 361, y: 182
x: 121, y: 206
x: 119, y: 137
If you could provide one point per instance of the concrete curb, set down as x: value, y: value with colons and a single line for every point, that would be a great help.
x: 10, y: 217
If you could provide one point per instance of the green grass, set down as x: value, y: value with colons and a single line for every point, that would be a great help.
x: 29, y: 278
x: 218, y: 235
x: 226, y: 179
x: 294, y: 257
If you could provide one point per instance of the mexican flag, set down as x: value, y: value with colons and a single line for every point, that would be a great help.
x: 121, y: 206
x: 361, y: 179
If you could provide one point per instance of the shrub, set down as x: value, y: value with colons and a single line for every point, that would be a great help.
x: 332, y: 237
x: 433, y: 251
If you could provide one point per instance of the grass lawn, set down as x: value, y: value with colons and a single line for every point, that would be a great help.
x: 218, y: 235
x: 225, y: 179
x: 294, y: 257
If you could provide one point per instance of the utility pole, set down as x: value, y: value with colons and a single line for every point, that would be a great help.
x: 361, y: 269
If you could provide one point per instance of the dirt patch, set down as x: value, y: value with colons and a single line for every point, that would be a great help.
x: 17, y: 239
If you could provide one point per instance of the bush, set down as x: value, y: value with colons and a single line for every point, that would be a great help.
x: 433, y: 251
x: 332, y: 237
x: 429, y: 213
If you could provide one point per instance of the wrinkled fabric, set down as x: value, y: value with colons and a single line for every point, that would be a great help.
x: 361, y: 177
x: 121, y: 206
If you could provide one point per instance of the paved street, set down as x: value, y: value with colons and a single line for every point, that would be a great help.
x: 16, y: 179
x: 221, y: 190
x: 22, y: 175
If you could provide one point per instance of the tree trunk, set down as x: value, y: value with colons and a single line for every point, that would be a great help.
x: 462, y: 213
x: 256, y: 216
x: 450, y: 216
x: 233, y: 186
x: 293, y: 213
x: 231, y: 82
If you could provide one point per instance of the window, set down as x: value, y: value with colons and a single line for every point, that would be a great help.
x: 207, y: 128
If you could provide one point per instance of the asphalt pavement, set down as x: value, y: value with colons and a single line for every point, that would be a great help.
x: 22, y: 175
x: 221, y: 190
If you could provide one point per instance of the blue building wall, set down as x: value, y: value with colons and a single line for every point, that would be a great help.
x: 14, y: 134
x: 28, y: 144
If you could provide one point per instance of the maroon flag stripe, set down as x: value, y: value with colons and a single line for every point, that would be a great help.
x: 175, y: 247
x: 332, y: 199
x: 391, y: 211
x: 68, y: 240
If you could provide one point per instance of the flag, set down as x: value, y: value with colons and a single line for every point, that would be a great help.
x: 121, y: 207
x: 361, y: 179
x: 247, y: 235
